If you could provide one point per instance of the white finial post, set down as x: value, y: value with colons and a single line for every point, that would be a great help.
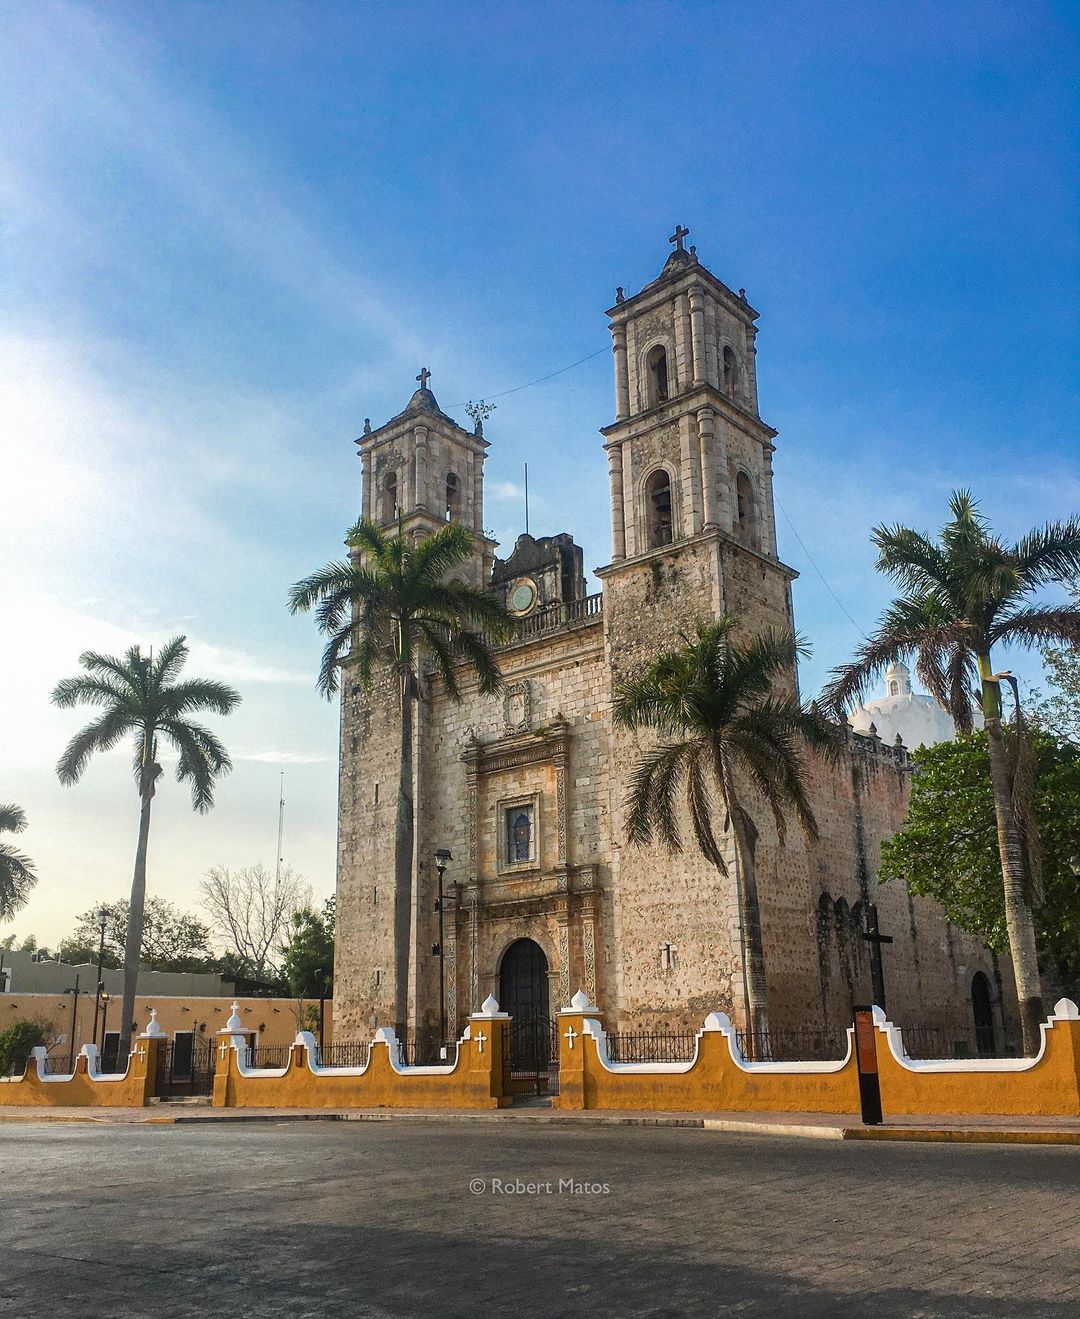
x: 234, y: 1024
x: 153, y: 1029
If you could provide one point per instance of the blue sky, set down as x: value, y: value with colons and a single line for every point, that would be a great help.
x: 232, y: 231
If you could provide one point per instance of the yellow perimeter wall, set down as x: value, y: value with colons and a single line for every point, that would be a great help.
x: 717, y: 1080
x: 720, y: 1080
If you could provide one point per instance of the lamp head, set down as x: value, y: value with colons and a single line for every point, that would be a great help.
x: 442, y: 856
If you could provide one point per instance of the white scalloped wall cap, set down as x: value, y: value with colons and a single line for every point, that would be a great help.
x: 385, y: 1035
x: 1066, y: 1010
x: 153, y: 1027
x: 717, y: 1021
x: 878, y: 1014
x: 580, y: 1002
x: 234, y: 1023
x: 490, y: 1005
x: 306, y: 1038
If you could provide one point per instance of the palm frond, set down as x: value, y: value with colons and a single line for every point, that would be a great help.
x: 100, y: 735
x: 169, y: 660
x: 17, y: 879
x: 1039, y: 627
x: 198, y: 694
x: 12, y: 819
x: 1051, y: 553
x: 203, y: 759
x: 650, y: 801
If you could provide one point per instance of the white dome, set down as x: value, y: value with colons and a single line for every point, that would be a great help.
x: 918, y: 719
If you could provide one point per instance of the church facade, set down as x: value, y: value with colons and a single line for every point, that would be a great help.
x: 526, y: 790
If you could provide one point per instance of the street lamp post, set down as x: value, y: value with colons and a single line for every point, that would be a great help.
x: 103, y: 916
x: 74, y: 1010
x: 442, y: 856
x: 106, y: 998
x: 320, y: 976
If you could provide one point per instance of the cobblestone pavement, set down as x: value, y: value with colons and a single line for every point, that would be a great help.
x: 402, y: 1219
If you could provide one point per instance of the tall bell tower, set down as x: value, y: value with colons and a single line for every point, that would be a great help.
x: 692, y: 537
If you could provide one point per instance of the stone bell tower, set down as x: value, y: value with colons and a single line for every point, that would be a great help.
x: 692, y: 537
x: 423, y: 463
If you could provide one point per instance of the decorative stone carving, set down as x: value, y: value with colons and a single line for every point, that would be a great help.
x: 517, y: 707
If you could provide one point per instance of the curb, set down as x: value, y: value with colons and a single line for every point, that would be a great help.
x: 729, y: 1126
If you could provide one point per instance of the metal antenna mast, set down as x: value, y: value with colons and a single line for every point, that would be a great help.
x: 526, y: 498
x: 280, y: 828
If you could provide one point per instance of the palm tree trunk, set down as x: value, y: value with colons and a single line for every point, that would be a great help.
x: 133, y: 945
x: 750, y: 928
x: 1018, y: 920
x: 404, y: 829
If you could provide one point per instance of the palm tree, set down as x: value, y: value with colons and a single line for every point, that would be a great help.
x: 139, y: 697
x: 725, y: 719
x: 393, y: 603
x: 961, y: 596
x: 17, y: 876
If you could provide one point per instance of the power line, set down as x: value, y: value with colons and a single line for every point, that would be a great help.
x: 529, y: 384
x: 813, y: 564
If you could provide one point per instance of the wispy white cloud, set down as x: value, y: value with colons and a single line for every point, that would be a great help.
x: 503, y: 490
x: 281, y: 757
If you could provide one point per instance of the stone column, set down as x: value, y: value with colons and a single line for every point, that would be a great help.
x: 622, y: 376
x: 697, y: 331
x: 367, y: 495
x: 690, y: 520
x: 420, y: 494
x: 681, y: 316
x: 478, y: 493
x: 471, y: 758
x: 707, y: 446
x: 629, y: 518
x: 615, y: 482
x: 768, y: 512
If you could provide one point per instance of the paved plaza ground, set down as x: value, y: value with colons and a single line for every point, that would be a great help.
x: 406, y: 1218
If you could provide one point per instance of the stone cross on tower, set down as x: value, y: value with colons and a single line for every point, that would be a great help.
x: 678, y: 236
x: 424, y: 377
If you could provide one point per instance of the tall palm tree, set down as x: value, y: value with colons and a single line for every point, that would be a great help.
x: 728, y: 730
x: 140, y: 697
x: 962, y: 595
x: 17, y: 875
x: 393, y: 603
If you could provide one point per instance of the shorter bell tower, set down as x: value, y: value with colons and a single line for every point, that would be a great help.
x: 422, y: 464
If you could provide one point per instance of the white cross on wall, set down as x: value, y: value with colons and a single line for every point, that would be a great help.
x: 224, y: 1050
x: 480, y: 1040
x: 142, y: 1054
x: 570, y: 1036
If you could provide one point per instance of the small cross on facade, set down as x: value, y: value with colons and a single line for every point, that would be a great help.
x: 424, y: 377
x: 570, y: 1036
x: 142, y: 1054
x: 223, y: 1051
x: 678, y: 236
x: 481, y: 1040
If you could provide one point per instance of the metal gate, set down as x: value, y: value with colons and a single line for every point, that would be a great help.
x: 533, y: 1057
x: 185, y: 1067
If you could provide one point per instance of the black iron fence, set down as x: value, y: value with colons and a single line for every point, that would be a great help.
x: 531, y: 1063
x: 349, y: 1053
x: 185, y: 1067
x: 647, y: 1046
x: 793, y: 1044
x: 268, y: 1055
x: 424, y: 1051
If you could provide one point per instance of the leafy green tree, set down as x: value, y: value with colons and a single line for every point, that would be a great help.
x: 310, y: 949
x: 140, y: 698
x: 948, y: 849
x: 17, y: 875
x: 172, y: 939
x: 733, y: 734
x: 17, y: 1042
x: 962, y: 596
x: 1059, y: 710
x: 396, y: 603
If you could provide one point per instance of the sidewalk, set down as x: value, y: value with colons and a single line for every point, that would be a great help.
x: 811, y: 1126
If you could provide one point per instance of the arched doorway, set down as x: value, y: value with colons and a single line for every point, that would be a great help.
x: 983, y: 1014
x: 523, y: 993
x: 523, y: 982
